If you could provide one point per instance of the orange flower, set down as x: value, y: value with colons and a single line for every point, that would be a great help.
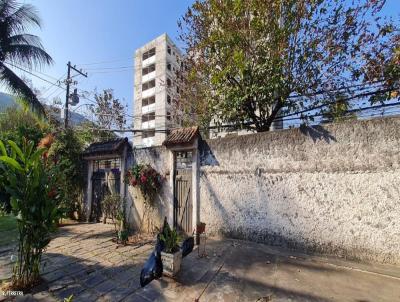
x: 46, y: 141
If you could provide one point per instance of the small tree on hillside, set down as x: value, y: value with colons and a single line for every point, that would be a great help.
x: 249, y: 61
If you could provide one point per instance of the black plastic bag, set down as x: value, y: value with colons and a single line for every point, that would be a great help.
x: 152, y: 269
x: 160, y: 246
x: 187, y: 246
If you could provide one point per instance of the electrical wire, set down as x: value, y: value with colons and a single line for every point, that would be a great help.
x: 104, y: 62
x: 35, y: 75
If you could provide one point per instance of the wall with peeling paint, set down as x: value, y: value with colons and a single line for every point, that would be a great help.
x: 139, y: 214
x: 331, y: 189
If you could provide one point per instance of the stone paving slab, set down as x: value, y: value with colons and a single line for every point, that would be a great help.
x: 84, y: 262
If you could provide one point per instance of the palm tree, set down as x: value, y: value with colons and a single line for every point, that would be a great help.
x: 18, y: 48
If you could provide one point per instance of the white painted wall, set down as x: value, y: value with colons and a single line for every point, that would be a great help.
x: 334, y: 189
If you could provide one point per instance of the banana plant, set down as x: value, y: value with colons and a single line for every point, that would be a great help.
x: 34, y: 202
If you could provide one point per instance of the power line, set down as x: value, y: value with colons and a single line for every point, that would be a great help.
x: 58, y: 81
x: 109, y: 72
x: 104, y: 62
x: 348, y: 111
x: 234, y: 127
x: 108, y: 68
x: 336, y: 101
x: 35, y: 75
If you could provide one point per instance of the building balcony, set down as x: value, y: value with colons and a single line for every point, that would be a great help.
x: 149, y: 108
x: 149, y: 124
x: 148, y: 92
x: 148, y: 141
x: 149, y: 76
x: 149, y: 61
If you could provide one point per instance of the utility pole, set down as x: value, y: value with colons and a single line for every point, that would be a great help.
x: 68, y: 82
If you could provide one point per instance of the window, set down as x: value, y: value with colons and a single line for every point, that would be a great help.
x: 106, y: 164
x: 148, y: 133
x: 177, y: 89
x: 148, y: 69
x: 169, y: 116
x: 184, y: 159
x: 149, y: 101
x: 148, y: 117
x: 169, y: 49
x: 168, y: 99
x: 149, y: 84
x: 149, y: 53
x: 169, y: 66
x: 169, y: 83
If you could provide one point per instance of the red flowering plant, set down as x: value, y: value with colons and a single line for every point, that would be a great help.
x: 146, y: 178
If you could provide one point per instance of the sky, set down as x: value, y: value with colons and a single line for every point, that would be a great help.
x: 92, y: 31
x: 102, y: 35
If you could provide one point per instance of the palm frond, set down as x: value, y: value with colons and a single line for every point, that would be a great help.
x: 7, y: 7
x: 18, y: 87
x: 25, y: 39
x: 19, y: 47
x: 18, y: 19
x: 28, y: 55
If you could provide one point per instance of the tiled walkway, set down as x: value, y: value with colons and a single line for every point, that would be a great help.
x: 83, y: 261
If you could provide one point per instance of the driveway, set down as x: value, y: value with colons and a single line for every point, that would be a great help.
x: 83, y: 261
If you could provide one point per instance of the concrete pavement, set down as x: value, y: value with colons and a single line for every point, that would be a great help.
x: 83, y: 261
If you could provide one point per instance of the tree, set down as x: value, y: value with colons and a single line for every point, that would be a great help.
x: 89, y: 132
x: 251, y: 61
x: 109, y: 111
x: 20, y: 48
x: 18, y: 125
x: 65, y: 154
x: 109, y: 114
x: 338, y: 111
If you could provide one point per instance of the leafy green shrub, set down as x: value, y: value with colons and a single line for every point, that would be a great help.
x: 65, y: 155
x: 34, y: 201
x: 17, y: 124
x: 111, y: 204
x: 170, y: 237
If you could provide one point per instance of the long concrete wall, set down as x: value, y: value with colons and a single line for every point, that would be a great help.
x: 329, y: 189
x: 332, y: 189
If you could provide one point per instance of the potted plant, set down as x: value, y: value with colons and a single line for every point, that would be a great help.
x: 171, y: 256
x: 122, y: 234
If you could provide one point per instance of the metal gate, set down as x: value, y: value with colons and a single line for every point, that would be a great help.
x: 104, y: 181
x: 183, y: 206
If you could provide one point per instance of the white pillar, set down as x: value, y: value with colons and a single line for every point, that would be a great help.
x: 89, y: 189
x: 170, y: 216
x: 122, y: 186
x: 195, y: 189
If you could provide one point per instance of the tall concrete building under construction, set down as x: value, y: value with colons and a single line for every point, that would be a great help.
x: 155, y: 66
